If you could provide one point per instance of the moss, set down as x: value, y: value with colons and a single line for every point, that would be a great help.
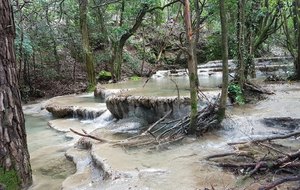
x: 9, y: 179
x: 91, y: 88
x: 135, y: 78
x: 104, y: 75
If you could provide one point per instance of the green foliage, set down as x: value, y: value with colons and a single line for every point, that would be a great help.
x: 104, y: 75
x: 9, y: 179
x: 132, y: 61
x: 135, y: 78
x: 236, y: 92
x: 91, y: 88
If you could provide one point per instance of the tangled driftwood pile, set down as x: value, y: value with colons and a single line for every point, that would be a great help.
x: 263, y: 158
x: 167, y: 130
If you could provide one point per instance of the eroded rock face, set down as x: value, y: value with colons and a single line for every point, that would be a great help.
x: 148, y: 108
x: 74, y: 111
x: 103, y: 93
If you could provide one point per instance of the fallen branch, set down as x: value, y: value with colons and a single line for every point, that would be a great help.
x: 279, y: 181
x: 84, y: 134
x: 246, y: 154
x: 157, y: 122
x: 258, y: 89
x: 275, y: 137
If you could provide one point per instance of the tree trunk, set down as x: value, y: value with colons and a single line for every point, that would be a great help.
x: 297, y: 65
x: 224, y: 27
x: 101, y: 23
x: 241, y: 43
x: 14, y: 156
x: 191, y: 67
x: 122, y: 13
x: 117, y: 57
x: 88, y: 55
x: 117, y: 61
x: 54, y: 44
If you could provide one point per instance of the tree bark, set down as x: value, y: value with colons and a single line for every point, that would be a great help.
x: 88, y: 55
x: 191, y: 66
x: 122, y: 13
x: 117, y: 57
x: 297, y: 65
x: 241, y: 43
x: 54, y: 43
x: 14, y: 156
x: 224, y: 28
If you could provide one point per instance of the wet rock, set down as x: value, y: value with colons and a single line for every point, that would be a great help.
x: 62, y: 111
x: 282, y: 122
x: 103, y: 93
x: 147, y: 108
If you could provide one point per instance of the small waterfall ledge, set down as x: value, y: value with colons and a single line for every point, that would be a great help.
x: 62, y: 111
x: 148, y: 108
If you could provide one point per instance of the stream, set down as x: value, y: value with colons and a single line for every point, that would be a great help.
x: 58, y: 162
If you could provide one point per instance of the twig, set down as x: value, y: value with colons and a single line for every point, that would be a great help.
x: 177, y: 88
x: 274, y: 149
x: 157, y: 122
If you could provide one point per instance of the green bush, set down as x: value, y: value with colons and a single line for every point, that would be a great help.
x: 104, y: 75
x: 135, y: 78
x: 235, y: 91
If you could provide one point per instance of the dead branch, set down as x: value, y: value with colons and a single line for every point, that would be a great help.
x: 274, y: 149
x: 246, y: 154
x: 279, y: 181
x: 84, y: 134
x: 177, y: 88
x: 256, y: 88
x: 157, y: 122
x: 274, y: 137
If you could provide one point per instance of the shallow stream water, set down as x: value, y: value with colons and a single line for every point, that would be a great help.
x: 180, y: 166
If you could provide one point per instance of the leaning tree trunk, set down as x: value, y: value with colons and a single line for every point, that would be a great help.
x: 14, y: 156
x: 117, y: 57
x: 88, y: 55
x: 191, y: 66
x: 224, y: 27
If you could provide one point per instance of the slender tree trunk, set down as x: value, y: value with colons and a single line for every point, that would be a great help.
x: 122, y: 13
x: 191, y: 66
x: 88, y: 55
x: 144, y: 52
x: 54, y: 44
x: 224, y: 27
x: 101, y: 23
x: 117, y: 61
x: 241, y: 43
x: 14, y: 156
x: 197, y: 37
x: 297, y: 65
